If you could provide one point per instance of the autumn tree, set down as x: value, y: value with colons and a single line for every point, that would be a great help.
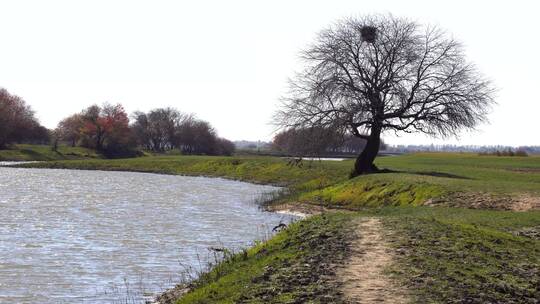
x: 106, y: 129
x: 381, y: 73
x: 119, y: 139
x: 18, y: 123
x: 93, y: 129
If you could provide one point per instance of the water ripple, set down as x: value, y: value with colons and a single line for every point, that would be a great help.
x: 75, y: 236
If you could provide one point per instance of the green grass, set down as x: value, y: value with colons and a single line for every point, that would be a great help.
x: 438, y: 177
x: 294, y: 266
x: 466, y: 171
x: 376, y: 191
x: 453, y: 255
x: 44, y: 153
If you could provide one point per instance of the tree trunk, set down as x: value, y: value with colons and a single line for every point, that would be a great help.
x: 99, y: 140
x: 54, y: 147
x: 98, y: 144
x: 364, y: 161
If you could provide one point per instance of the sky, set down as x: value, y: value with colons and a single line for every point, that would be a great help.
x: 228, y: 61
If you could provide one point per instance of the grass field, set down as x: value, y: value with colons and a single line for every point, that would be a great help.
x: 471, y: 172
x: 45, y: 153
x: 454, y: 255
x: 457, y: 255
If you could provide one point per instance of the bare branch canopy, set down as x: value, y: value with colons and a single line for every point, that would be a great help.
x: 379, y: 73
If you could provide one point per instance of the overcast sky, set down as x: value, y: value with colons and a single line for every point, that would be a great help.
x: 228, y: 61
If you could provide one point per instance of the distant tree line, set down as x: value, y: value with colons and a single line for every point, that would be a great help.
x: 507, y: 152
x: 318, y: 142
x: 107, y: 128
x: 483, y: 150
x: 167, y: 128
x: 18, y: 123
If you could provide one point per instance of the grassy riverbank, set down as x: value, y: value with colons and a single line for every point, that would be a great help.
x: 45, y: 153
x: 464, y: 180
x: 443, y: 253
x: 296, y: 265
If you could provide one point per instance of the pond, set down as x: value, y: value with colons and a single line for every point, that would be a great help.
x: 73, y: 236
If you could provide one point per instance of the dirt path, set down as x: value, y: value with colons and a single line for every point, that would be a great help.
x: 363, y: 277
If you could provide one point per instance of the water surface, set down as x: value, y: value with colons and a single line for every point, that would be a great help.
x: 91, y: 236
x: 11, y: 163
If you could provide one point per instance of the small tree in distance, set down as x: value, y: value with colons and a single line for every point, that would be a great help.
x: 382, y: 73
x: 69, y: 129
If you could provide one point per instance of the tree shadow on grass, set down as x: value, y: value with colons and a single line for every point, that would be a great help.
x: 34, y: 155
x: 427, y: 173
x: 441, y: 174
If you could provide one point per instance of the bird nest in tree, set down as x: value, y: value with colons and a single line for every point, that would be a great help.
x: 369, y: 33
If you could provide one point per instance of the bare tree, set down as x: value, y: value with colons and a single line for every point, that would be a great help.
x: 196, y: 136
x: 163, y: 129
x: 156, y: 130
x: 69, y: 129
x: 224, y: 147
x: 380, y: 73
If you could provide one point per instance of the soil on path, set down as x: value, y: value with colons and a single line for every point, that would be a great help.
x: 363, y: 277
